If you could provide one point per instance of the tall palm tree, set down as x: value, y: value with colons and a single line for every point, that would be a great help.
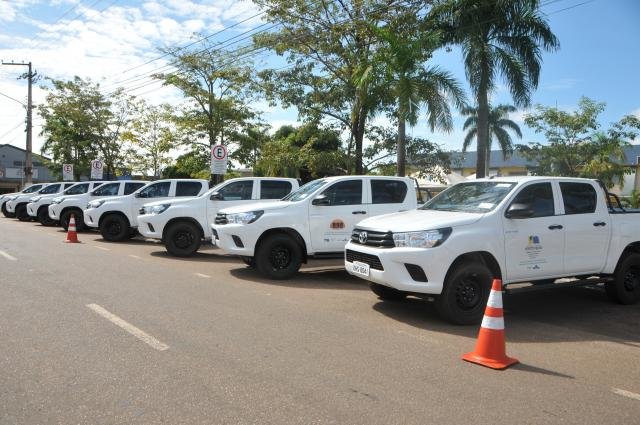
x: 498, y: 38
x: 499, y: 124
x: 410, y: 84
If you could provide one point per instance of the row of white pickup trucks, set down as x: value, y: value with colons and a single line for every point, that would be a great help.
x: 546, y: 231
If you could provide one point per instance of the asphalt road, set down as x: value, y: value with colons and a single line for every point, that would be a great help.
x: 104, y: 333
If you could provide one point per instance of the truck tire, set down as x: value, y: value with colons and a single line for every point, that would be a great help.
x: 386, y: 293
x: 43, y: 216
x: 465, y: 293
x: 278, y: 257
x: 114, y: 228
x: 78, y: 216
x: 21, y: 213
x: 182, y: 239
x: 6, y: 213
x: 249, y: 261
x: 625, y: 288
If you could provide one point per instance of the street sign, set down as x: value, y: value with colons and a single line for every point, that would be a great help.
x: 219, y: 158
x: 97, y: 169
x: 67, y: 172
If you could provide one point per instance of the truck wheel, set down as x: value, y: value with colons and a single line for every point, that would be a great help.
x: 7, y: 213
x: 78, y: 216
x: 114, y: 228
x: 43, y: 216
x: 465, y: 294
x: 182, y: 239
x: 386, y: 293
x: 21, y: 213
x: 625, y: 288
x: 249, y: 261
x: 279, y: 257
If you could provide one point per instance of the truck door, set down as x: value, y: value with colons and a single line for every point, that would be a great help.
x: 387, y: 196
x: 335, y: 213
x: 235, y: 193
x: 534, y: 245
x: 587, y: 228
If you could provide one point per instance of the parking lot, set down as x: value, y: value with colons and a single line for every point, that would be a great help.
x: 107, y: 333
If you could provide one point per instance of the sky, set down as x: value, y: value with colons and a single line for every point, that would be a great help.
x: 116, y: 42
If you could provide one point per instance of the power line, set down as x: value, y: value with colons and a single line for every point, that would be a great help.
x: 12, y: 98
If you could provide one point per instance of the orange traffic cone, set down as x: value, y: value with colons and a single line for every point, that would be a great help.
x: 72, y: 236
x: 490, y: 349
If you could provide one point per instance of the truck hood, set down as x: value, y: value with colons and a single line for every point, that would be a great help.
x: 414, y: 220
x: 174, y: 201
x: 258, y: 205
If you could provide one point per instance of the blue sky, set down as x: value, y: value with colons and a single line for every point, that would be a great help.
x: 104, y: 39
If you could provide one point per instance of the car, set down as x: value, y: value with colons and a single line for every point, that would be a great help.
x: 38, y: 206
x: 5, y: 198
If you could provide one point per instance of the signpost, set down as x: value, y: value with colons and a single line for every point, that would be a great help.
x: 97, y: 169
x: 219, y: 158
x: 67, y: 172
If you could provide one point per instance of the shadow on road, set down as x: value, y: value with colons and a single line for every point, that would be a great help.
x: 325, y: 278
x: 569, y: 314
x: 198, y: 257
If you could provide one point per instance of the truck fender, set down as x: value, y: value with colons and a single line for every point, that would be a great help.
x: 633, y: 247
x: 483, y: 257
x: 288, y: 231
x: 120, y: 213
x: 182, y: 220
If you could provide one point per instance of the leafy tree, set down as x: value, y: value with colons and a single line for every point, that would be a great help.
x: 329, y: 46
x: 499, y: 126
x: 497, y: 37
x: 411, y: 83
x: 576, y: 147
x: 151, y: 135
x: 216, y: 85
x: 82, y: 124
x: 193, y: 164
x: 250, y: 144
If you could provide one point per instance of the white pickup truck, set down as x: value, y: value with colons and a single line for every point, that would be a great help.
x: 38, y: 206
x: 314, y: 221
x: 18, y: 204
x: 181, y: 224
x: 117, y: 217
x: 529, y: 229
x: 5, y: 198
x: 62, y: 207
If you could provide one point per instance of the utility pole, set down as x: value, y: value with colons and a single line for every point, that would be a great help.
x: 28, y: 168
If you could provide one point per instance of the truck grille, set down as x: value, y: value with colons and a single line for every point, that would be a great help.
x: 372, y: 260
x: 376, y: 239
x: 221, y: 219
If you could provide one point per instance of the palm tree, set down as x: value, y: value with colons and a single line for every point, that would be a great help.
x: 497, y: 37
x: 410, y: 84
x: 499, y: 124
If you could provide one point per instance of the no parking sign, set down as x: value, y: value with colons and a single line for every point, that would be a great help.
x: 96, y: 169
x: 219, y: 157
x: 67, y: 172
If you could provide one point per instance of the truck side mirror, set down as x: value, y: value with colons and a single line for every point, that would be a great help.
x: 216, y: 196
x: 519, y: 211
x: 137, y: 195
x: 321, y: 200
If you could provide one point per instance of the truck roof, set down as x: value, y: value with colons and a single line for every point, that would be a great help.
x: 521, y: 179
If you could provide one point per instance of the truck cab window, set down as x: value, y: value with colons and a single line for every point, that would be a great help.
x: 273, y: 189
x: 347, y: 192
x: 188, y: 188
x: 540, y: 197
x: 388, y: 191
x: 156, y: 190
x: 237, y: 191
x: 110, y: 189
x: 578, y: 198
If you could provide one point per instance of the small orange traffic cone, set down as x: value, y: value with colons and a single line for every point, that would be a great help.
x: 490, y: 349
x: 72, y: 236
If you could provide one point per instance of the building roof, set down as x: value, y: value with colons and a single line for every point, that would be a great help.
x: 7, y: 145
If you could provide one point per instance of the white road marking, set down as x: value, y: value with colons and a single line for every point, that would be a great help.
x: 138, y: 333
x: 134, y: 256
x: 7, y: 256
x: 625, y: 393
x: 202, y: 275
x: 99, y: 247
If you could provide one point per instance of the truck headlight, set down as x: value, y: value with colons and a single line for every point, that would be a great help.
x: 244, y: 217
x: 156, y: 209
x: 422, y: 239
x: 35, y: 199
x: 57, y: 200
x: 96, y: 204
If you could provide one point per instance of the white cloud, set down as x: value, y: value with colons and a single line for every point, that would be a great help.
x: 562, y: 84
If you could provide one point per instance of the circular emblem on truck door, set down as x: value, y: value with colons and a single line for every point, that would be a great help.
x: 362, y: 237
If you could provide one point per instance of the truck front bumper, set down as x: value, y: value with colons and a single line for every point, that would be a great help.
x: 91, y: 217
x: 235, y: 239
x: 54, y: 211
x: 32, y: 209
x: 151, y: 225
x: 420, y: 270
x: 11, y: 206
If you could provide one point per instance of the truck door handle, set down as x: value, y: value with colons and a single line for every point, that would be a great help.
x: 555, y: 227
x: 599, y: 223
x: 359, y: 212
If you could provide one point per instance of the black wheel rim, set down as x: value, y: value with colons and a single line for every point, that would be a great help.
x: 280, y: 257
x: 631, y: 281
x: 183, y: 239
x: 469, y: 291
x: 114, y: 228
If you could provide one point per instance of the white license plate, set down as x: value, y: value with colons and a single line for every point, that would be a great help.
x: 360, y: 268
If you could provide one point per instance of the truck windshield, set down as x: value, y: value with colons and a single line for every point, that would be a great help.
x: 304, y: 191
x: 473, y: 197
x: 33, y: 188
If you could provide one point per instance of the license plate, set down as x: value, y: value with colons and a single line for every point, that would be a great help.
x: 360, y: 268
